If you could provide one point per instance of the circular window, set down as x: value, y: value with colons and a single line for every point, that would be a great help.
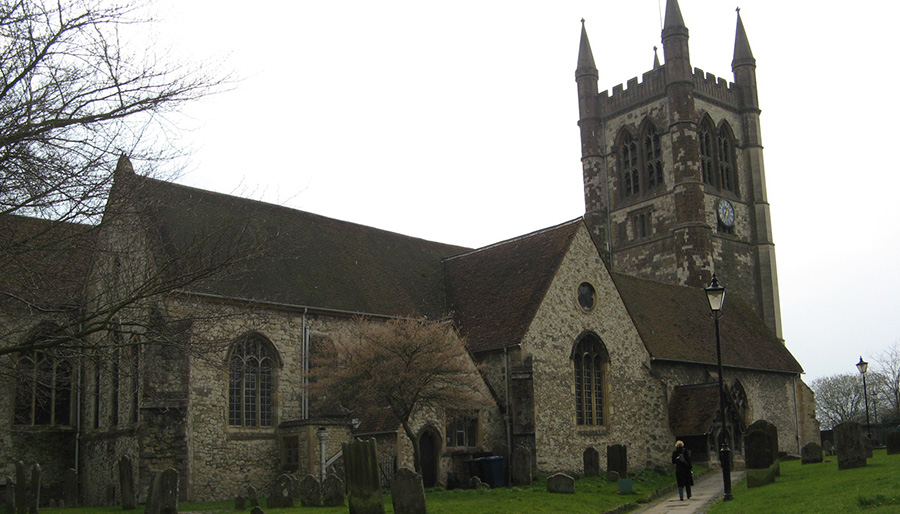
x: 586, y: 296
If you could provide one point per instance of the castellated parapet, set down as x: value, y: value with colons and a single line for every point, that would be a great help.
x: 653, y: 86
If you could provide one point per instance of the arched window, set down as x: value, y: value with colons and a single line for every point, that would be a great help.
x: 739, y: 396
x: 628, y: 163
x: 44, y: 389
x: 591, y: 363
x: 726, y: 158
x: 652, y: 157
x: 707, y: 152
x: 251, y: 382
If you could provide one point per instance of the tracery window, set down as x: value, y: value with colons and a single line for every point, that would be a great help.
x: 44, y: 389
x: 251, y: 382
x: 628, y: 163
x: 707, y: 152
x: 591, y: 363
x: 652, y: 157
x: 726, y: 158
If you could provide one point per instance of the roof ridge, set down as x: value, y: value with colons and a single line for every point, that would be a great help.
x: 515, y: 239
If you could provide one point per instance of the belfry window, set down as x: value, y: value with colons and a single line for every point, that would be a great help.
x: 707, y: 153
x: 628, y: 163
x: 590, y: 363
x: 251, y: 382
x: 652, y: 158
x: 726, y: 158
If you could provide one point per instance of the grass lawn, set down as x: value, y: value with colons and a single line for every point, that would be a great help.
x: 823, y: 489
x: 592, y: 495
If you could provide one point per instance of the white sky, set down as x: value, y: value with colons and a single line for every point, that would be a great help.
x: 456, y: 122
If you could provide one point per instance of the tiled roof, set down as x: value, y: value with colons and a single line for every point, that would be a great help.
x: 693, y: 408
x: 296, y: 257
x: 495, y: 291
x: 675, y: 324
x: 44, y: 263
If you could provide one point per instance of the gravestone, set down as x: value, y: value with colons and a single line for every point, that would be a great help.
x: 310, y: 491
x: 21, y: 495
x: 252, y: 497
x: 34, y: 489
x: 295, y: 486
x: 126, y: 484
x: 152, y: 506
x: 848, y: 442
x: 759, y: 460
x: 561, y: 483
x: 521, y: 466
x: 811, y: 453
x: 626, y: 486
x: 617, y: 459
x: 280, y: 495
x: 770, y: 429
x: 868, y: 446
x: 333, y: 491
x: 893, y: 443
x: 162, y: 498
x: 477, y: 484
x: 8, y: 498
x: 257, y: 510
x: 70, y: 488
x: 591, y: 459
x: 240, y: 503
x: 363, y: 477
x: 408, y: 493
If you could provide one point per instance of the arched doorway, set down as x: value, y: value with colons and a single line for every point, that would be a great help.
x: 429, y: 452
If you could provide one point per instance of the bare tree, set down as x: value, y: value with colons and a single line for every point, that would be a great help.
x: 840, y: 398
x: 404, y: 365
x: 889, y: 388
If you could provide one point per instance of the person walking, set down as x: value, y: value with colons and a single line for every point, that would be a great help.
x: 684, y: 477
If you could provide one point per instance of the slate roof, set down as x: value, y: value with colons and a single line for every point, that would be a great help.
x: 675, y: 324
x: 43, y: 262
x: 495, y: 291
x: 693, y: 408
x: 296, y: 257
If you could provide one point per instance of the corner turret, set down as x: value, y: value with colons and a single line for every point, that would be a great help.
x: 586, y: 76
x: 675, y: 45
x: 744, y: 67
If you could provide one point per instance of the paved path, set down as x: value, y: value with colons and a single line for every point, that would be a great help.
x: 705, y: 491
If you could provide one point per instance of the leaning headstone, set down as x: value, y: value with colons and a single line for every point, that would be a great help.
x: 70, y: 488
x: 561, y: 483
x: 868, y: 445
x: 848, y: 441
x: 893, y: 443
x: 612, y: 476
x: 521, y: 466
x: 811, y: 453
x: 168, y: 492
x: 34, y: 498
x: 759, y: 460
x: 477, y: 484
x: 617, y: 459
x: 333, y: 491
x: 252, y: 497
x: 240, y: 503
x: 363, y: 477
x: 408, y: 493
x: 257, y: 510
x: 126, y: 484
x: 281, y: 495
x: 591, y: 458
x: 310, y: 491
x: 21, y: 496
x: 770, y: 429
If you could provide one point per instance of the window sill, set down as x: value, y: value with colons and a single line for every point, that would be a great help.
x: 250, y: 434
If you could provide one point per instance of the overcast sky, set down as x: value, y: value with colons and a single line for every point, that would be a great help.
x: 456, y: 122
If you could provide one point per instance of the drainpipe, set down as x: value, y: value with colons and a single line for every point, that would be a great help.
x: 506, y: 416
x: 304, y: 407
x: 797, y: 416
x: 322, y: 434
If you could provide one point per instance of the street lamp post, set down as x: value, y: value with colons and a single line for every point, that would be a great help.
x: 862, y: 366
x: 716, y: 296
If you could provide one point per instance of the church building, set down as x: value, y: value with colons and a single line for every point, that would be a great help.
x: 589, y: 333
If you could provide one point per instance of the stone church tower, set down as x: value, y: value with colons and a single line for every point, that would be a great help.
x: 674, y: 183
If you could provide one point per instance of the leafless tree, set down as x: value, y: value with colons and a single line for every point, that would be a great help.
x: 404, y: 365
x: 888, y: 363
x: 840, y: 398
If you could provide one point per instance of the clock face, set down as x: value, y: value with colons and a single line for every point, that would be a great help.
x: 725, y: 211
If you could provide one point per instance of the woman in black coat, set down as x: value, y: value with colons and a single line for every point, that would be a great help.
x: 681, y: 457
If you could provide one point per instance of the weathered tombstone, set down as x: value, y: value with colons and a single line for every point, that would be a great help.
x: 477, y: 484
x: 295, y: 486
x: 257, y: 510
x: 521, y: 466
x: 811, y: 453
x: 868, y: 446
x: 126, y: 484
x: 770, y: 429
x: 612, y: 476
x: 363, y: 477
x: 70, y: 488
x: 333, y: 491
x: 152, y: 504
x: 8, y: 498
x: 51, y: 503
x: 168, y: 492
x: 252, y: 496
x: 561, y: 483
x: 21, y: 495
x: 34, y: 488
x: 893, y: 443
x: 591, y: 459
x: 240, y: 503
x: 760, y: 461
x: 310, y: 491
x: 617, y: 459
x: 408, y: 493
x: 626, y: 486
x: 849, y: 445
x: 281, y: 495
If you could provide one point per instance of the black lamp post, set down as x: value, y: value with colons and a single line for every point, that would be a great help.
x: 716, y: 296
x: 862, y: 366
